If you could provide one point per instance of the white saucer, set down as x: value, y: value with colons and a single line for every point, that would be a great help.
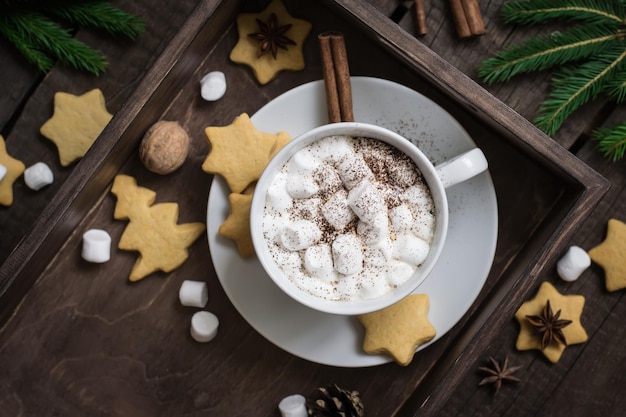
x: 452, y: 286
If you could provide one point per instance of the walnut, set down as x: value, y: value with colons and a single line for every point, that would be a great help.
x: 164, y: 147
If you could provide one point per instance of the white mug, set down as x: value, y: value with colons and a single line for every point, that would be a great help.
x: 438, y: 178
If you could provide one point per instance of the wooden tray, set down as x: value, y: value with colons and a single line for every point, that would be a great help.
x: 99, y: 342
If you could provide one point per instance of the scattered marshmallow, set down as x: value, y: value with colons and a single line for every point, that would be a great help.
x: 96, y: 246
x: 573, y: 263
x: 193, y: 293
x: 293, y: 406
x: 300, y: 235
x: 213, y: 86
x: 3, y: 171
x: 38, y: 176
x: 347, y: 254
x: 204, y: 326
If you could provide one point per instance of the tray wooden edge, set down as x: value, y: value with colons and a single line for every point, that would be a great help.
x: 95, y: 172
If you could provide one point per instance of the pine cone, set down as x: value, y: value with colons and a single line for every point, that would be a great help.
x: 333, y: 401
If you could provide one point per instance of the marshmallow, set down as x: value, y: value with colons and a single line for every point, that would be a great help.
x: 424, y: 226
x: 353, y: 170
x: 401, y: 218
x: 3, y: 171
x: 333, y: 148
x: 277, y: 195
x: 573, y: 264
x: 373, y: 232
x: 347, y: 287
x: 204, y: 326
x: 378, y: 256
x: 302, y: 162
x: 38, y: 176
x: 293, y: 406
x: 410, y: 249
x: 373, y: 286
x: 347, y: 254
x: 213, y: 86
x: 299, y: 235
x: 301, y: 186
x: 328, y: 179
x: 366, y: 202
x: 399, y: 272
x: 96, y: 246
x: 193, y: 293
x: 417, y: 197
x: 318, y: 261
x: 336, y: 210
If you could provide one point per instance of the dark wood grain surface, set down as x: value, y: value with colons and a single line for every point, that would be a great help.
x: 80, y: 340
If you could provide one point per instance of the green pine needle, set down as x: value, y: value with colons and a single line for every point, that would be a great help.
x: 28, y: 49
x: 31, y: 28
x: 573, y: 87
x: 616, y: 88
x: 542, y: 11
x: 590, y: 59
x: 99, y: 15
x: 611, y: 141
x: 46, y: 35
x: 548, y: 51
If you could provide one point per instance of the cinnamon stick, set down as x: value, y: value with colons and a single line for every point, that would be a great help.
x: 420, y: 17
x: 467, y: 18
x: 474, y: 17
x: 336, y: 74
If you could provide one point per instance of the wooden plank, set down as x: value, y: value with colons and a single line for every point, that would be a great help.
x: 107, y: 346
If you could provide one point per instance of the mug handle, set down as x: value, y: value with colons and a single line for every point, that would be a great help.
x: 461, y: 167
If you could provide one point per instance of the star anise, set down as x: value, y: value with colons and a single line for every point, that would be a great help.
x: 271, y: 36
x: 498, y: 374
x: 549, y: 326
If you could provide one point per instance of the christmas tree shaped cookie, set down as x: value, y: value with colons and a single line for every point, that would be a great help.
x: 153, y: 230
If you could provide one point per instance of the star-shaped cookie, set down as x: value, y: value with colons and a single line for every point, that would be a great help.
x: 152, y: 230
x: 571, y: 307
x: 399, y: 329
x: 265, y: 67
x: 239, y: 152
x: 14, y: 168
x: 76, y: 123
x: 611, y: 255
x: 237, y: 224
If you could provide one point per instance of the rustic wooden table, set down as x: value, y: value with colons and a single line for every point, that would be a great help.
x: 76, y: 347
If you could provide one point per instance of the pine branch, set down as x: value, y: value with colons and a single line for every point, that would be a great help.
x: 611, y: 141
x: 616, y: 88
x: 99, y: 15
x: 547, y: 51
x: 28, y: 49
x: 37, y: 30
x: 531, y: 12
x: 574, y: 87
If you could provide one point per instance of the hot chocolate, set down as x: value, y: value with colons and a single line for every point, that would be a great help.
x: 348, y: 218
